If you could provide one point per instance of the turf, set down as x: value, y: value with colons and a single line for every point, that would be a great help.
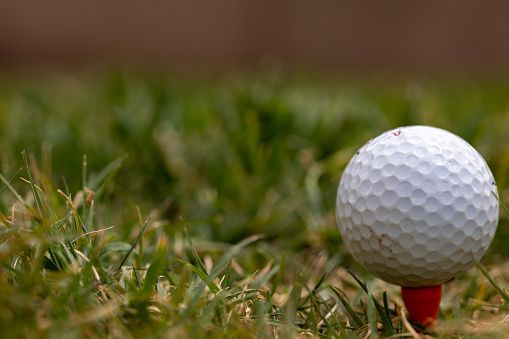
x: 163, y: 206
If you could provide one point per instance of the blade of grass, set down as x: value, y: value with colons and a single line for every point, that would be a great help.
x: 77, y: 217
x: 69, y: 249
x: 492, y: 281
x: 151, y: 278
x: 265, y: 275
x: 232, y: 251
x: 56, y: 258
x: 314, y: 314
x: 165, y: 274
x: 361, y: 284
x: 279, y: 275
x: 355, y: 319
x: 62, y: 222
x: 320, y: 282
x: 290, y: 307
x: 140, y: 249
x: 226, y: 281
x: 386, y: 306
x: 371, y: 312
x: 324, y: 317
x: 12, y: 178
x: 126, y: 256
x: 270, y: 306
x: 17, y: 195
x: 506, y: 211
x: 84, y: 176
x: 386, y: 320
x: 179, y: 293
x: 203, y: 275
x: 137, y: 276
x: 38, y: 201
x: 261, y: 312
x: 105, y: 176
x: 66, y: 186
x: 45, y: 196
x: 311, y: 320
x: 93, y: 232
x: 305, y: 300
x: 196, y: 257
x: 18, y: 273
x: 90, y: 216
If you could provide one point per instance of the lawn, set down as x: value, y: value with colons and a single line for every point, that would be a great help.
x: 142, y: 205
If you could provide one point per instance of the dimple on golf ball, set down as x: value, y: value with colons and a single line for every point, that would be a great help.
x: 416, y: 206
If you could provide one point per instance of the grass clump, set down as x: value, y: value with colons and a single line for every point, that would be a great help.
x: 219, y: 220
x: 68, y: 279
x: 65, y: 273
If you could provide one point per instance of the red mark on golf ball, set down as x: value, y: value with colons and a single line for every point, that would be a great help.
x: 396, y: 134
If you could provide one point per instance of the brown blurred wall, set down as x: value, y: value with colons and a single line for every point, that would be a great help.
x: 445, y: 36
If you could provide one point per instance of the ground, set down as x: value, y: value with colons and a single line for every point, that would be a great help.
x: 160, y: 205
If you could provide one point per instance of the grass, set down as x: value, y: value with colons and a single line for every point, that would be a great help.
x: 205, y: 207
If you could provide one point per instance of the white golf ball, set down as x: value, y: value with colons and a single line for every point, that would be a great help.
x: 416, y: 206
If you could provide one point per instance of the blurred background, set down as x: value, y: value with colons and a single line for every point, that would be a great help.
x: 399, y: 36
x: 239, y: 116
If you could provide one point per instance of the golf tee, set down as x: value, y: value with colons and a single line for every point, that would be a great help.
x: 422, y: 303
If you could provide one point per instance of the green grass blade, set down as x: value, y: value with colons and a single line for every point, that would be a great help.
x: 386, y: 320
x: 279, y: 275
x: 290, y: 307
x: 59, y: 225
x: 311, y: 320
x: 355, y: 319
x: 12, y: 178
x: 506, y: 211
x: 261, y: 280
x: 56, y: 259
x: 204, y: 276
x: 165, y: 274
x: 137, y: 277
x: 18, y: 273
x: 38, y: 201
x: 329, y: 310
x: 135, y: 242
x: 89, y: 217
x: 316, y: 308
x: 49, y: 205
x: 116, y: 246
x: 141, y: 245
x: 372, y: 319
x: 105, y: 176
x: 385, y: 317
x: 16, y: 194
x: 320, y: 282
x: 386, y: 306
x: 49, y: 263
x: 492, y: 281
x: 226, y: 281
x: 232, y: 251
x: 69, y: 249
x: 157, y: 263
x: 196, y: 257
x: 84, y: 174
x: 361, y: 284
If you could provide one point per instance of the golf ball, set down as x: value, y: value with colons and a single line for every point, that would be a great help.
x: 416, y: 206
